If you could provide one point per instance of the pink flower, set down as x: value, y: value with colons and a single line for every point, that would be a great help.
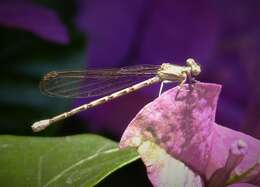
x: 180, y: 126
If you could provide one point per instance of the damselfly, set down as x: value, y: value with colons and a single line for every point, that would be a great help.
x: 90, y: 83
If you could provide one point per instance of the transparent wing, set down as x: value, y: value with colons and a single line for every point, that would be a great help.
x: 91, y: 83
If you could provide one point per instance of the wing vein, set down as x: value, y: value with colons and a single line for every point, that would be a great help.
x: 82, y: 84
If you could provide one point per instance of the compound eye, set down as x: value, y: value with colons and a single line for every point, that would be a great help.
x: 195, y: 68
x: 190, y: 62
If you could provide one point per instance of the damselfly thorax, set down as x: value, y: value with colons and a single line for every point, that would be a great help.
x: 116, y: 82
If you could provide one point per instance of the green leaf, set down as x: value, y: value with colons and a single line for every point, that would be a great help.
x: 82, y: 160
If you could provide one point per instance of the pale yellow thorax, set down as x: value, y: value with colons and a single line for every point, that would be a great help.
x: 173, y: 72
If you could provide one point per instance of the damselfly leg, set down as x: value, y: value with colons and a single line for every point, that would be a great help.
x: 162, y: 85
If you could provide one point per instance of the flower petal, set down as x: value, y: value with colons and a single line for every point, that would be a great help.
x: 37, y: 19
x: 224, y: 139
x: 164, y: 170
x: 181, y: 122
x: 242, y: 185
x: 235, y: 156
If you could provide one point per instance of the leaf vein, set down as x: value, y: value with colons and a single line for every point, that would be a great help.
x: 78, y: 163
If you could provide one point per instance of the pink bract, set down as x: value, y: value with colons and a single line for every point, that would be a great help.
x: 182, y: 123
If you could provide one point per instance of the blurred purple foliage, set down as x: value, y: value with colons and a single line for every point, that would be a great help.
x: 34, y: 18
x: 224, y: 36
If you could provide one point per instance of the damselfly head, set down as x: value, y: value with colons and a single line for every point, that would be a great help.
x: 195, y: 67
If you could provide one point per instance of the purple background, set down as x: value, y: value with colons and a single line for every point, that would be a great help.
x: 223, y: 36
